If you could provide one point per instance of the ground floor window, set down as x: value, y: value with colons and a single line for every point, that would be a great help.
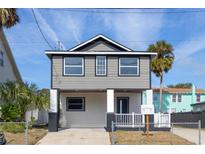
x: 75, y: 104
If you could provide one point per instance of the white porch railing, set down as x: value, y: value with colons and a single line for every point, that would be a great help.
x: 162, y: 120
x: 129, y: 120
x: 133, y: 120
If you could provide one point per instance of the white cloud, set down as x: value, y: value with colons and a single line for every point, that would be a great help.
x: 47, y: 28
x: 187, y: 48
x: 135, y: 27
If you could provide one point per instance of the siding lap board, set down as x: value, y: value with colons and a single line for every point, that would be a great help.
x: 90, y: 81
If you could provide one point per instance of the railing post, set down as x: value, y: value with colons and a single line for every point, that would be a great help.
x: 113, y: 136
x: 199, y: 127
x: 26, y: 133
x: 133, y: 119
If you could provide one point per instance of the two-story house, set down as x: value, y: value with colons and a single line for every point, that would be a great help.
x: 8, y: 67
x: 95, y: 79
x: 178, y: 99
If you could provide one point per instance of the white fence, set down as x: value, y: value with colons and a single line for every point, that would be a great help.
x: 162, y: 120
x: 138, y: 120
x: 129, y: 120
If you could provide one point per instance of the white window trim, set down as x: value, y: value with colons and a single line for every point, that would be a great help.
x: 128, y: 66
x: 96, y: 65
x: 82, y: 66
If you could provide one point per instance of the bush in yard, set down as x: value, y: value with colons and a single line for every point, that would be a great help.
x: 13, y: 127
x: 10, y: 112
x: 26, y: 96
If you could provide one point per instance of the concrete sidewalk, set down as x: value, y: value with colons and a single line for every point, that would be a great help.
x: 79, y: 136
x: 190, y: 134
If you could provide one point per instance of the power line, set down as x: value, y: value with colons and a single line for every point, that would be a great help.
x: 127, y: 12
x: 137, y: 41
x: 40, y: 29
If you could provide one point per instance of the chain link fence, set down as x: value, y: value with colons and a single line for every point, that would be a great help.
x: 14, y: 133
x: 176, y: 134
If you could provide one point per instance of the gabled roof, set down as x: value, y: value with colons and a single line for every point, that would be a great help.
x: 81, y: 49
x: 10, y: 55
x: 179, y: 90
x: 103, y: 38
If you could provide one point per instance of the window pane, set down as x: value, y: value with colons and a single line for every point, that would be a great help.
x: 174, y: 98
x: 76, y: 104
x: 101, y: 65
x: 198, y: 99
x: 128, y: 61
x: 1, y: 59
x: 179, y: 98
x: 73, y: 71
x: 73, y: 61
x: 101, y: 60
x: 128, y: 70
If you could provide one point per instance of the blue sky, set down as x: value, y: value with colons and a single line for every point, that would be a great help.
x: 185, y: 31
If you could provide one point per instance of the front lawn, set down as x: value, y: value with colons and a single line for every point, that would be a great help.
x: 158, y: 138
x: 34, y: 135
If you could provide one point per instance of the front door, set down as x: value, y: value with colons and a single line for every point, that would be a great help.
x: 122, y: 105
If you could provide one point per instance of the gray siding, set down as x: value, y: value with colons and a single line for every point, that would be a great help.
x: 90, y: 81
x: 100, y: 46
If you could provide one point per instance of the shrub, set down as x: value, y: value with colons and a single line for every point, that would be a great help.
x: 10, y: 112
x: 13, y: 128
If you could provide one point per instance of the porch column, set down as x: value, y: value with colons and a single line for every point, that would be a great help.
x: 110, y: 109
x: 110, y: 100
x: 53, y: 111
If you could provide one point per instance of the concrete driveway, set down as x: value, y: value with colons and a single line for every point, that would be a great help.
x: 191, y: 135
x: 78, y: 136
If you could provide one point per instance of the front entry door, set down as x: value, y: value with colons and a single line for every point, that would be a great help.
x: 122, y: 105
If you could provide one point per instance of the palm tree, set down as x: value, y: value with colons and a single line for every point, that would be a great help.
x: 26, y: 96
x: 8, y: 17
x: 162, y: 63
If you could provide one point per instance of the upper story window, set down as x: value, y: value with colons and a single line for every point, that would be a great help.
x: 155, y: 97
x: 179, y: 98
x: 101, y: 63
x: 198, y: 98
x: 1, y: 58
x: 174, y: 98
x: 74, y: 66
x: 128, y: 66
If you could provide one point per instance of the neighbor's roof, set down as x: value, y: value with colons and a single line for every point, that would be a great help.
x: 179, y: 90
x: 198, y: 104
x: 10, y: 55
x: 77, y: 49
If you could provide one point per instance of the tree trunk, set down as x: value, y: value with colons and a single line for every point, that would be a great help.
x: 160, y: 94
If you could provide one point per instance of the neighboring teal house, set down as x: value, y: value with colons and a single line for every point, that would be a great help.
x: 178, y: 99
